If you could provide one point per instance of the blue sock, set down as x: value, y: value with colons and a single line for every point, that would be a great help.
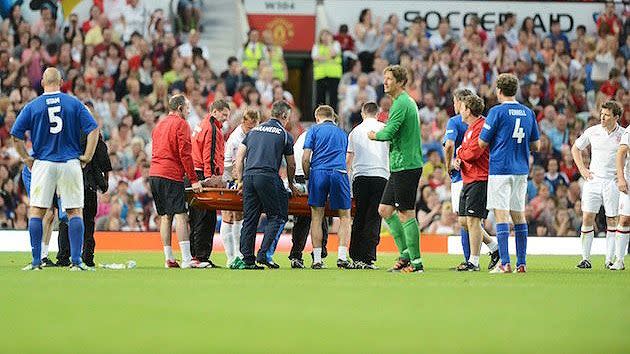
x: 465, y: 244
x: 520, y: 231
x: 503, y: 233
x: 75, y: 234
x: 36, y: 230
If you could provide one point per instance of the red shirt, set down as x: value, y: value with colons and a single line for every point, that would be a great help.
x: 171, y: 152
x: 208, y: 147
x: 475, y: 160
x: 609, y: 88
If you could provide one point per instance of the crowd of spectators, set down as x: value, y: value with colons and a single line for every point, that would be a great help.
x: 127, y: 66
x: 124, y: 63
x: 564, y: 79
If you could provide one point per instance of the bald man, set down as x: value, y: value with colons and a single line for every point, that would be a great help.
x: 55, y: 122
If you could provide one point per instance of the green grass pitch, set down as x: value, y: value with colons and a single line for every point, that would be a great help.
x: 554, y: 308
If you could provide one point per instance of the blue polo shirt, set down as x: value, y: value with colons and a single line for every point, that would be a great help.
x: 266, y: 146
x: 329, y: 144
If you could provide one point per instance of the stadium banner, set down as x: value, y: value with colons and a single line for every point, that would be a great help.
x: 19, y: 241
x: 292, y: 23
x: 541, y: 246
x: 490, y: 13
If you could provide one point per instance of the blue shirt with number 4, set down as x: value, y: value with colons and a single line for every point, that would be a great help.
x: 55, y: 121
x: 509, y: 128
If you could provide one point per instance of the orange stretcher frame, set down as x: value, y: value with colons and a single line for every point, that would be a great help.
x: 229, y: 199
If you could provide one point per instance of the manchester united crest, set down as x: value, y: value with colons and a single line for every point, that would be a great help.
x: 282, y: 31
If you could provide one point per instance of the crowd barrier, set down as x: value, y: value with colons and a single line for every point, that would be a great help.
x: 19, y: 241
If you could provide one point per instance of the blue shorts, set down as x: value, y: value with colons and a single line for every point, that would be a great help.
x: 332, y: 185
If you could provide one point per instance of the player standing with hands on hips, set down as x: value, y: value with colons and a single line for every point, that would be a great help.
x: 600, y: 187
x: 510, y: 131
x: 55, y: 121
x: 405, y: 163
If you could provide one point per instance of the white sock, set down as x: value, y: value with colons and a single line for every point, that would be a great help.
x: 621, y: 242
x: 610, y: 245
x: 342, y: 253
x: 226, y: 236
x: 587, y: 242
x: 44, y: 250
x: 474, y: 260
x: 236, y: 234
x: 317, y: 255
x: 168, y: 253
x: 493, y: 245
x: 184, y: 246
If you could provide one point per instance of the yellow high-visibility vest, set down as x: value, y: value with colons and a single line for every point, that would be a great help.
x: 252, y: 58
x: 277, y: 63
x: 328, y: 68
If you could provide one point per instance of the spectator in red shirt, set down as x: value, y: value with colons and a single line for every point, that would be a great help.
x: 473, y: 163
x: 344, y: 38
x: 610, y: 19
x: 171, y: 160
x: 208, y: 150
x: 610, y: 86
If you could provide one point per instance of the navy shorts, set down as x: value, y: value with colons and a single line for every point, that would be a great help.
x: 332, y: 185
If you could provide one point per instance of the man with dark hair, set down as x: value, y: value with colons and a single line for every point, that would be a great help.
x: 397, y: 206
x: 263, y: 190
x: 234, y: 76
x: 455, y: 130
x: 557, y: 35
x: 600, y: 188
x: 208, y: 149
x: 368, y: 166
x: 95, y: 178
x: 474, y: 167
x: 511, y: 132
x: 171, y: 160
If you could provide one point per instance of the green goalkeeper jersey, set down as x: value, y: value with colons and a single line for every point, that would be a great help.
x: 403, y: 132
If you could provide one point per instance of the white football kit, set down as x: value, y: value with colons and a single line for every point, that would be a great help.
x: 602, y: 188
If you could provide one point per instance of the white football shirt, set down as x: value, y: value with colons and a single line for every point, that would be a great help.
x: 604, y: 148
x: 231, y: 149
x: 371, y: 158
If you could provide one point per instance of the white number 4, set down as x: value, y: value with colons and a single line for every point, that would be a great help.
x: 53, y: 118
x: 518, y: 134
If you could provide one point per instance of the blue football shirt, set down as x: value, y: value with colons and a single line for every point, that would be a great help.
x: 508, y: 130
x: 329, y: 145
x: 455, y: 130
x: 55, y: 121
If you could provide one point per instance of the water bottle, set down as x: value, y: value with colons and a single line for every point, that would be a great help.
x: 115, y: 266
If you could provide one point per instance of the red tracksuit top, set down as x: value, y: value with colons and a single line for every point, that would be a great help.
x: 208, y: 147
x: 171, y: 151
x: 474, y: 166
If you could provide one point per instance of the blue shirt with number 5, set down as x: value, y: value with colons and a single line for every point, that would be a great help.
x: 55, y: 121
x: 508, y: 130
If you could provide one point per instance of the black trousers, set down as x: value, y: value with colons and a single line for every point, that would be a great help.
x: 203, y: 222
x: 300, y: 234
x: 263, y: 193
x: 366, y: 228
x: 89, y: 213
x: 326, y: 89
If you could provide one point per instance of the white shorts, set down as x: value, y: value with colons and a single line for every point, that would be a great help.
x: 65, y: 178
x: 456, y: 191
x: 507, y: 192
x: 598, y: 192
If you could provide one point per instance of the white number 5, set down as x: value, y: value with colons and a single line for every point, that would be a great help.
x: 53, y: 118
x: 518, y: 134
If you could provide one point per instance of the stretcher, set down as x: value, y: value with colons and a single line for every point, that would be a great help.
x: 230, y: 200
